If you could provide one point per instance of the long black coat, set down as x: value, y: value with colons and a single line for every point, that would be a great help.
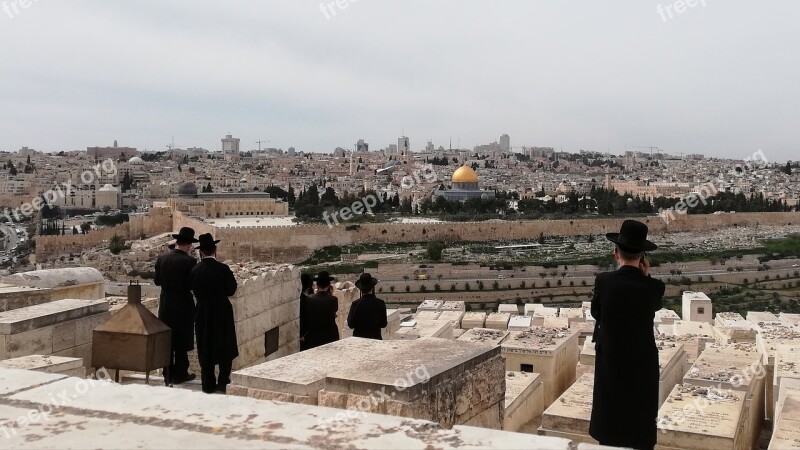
x: 212, y: 284
x: 320, y: 313
x: 367, y: 317
x: 176, y: 306
x: 625, y: 403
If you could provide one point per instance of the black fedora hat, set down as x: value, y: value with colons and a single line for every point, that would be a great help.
x: 185, y: 236
x: 324, y: 278
x: 365, y: 282
x: 207, y: 242
x: 633, y: 237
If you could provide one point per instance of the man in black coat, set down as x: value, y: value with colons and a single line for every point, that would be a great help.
x: 176, y: 306
x: 212, y: 284
x: 367, y: 314
x: 321, y: 310
x: 625, y: 403
x: 307, y: 290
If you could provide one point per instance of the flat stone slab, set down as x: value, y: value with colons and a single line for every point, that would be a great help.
x: 730, y: 367
x: 519, y: 323
x: 14, y: 380
x: 511, y: 309
x: 536, y: 341
x: 484, y: 335
x: 699, y: 417
x: 46, y: 314
x: 572, y: 411
x: 100, y: 414
x: 44, y: 363
x: 358, y: 365
x: 786, y: 431
x: 498, y: 321
x: 518, y: 383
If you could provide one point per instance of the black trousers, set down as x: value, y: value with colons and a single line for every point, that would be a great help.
x: 179, y: 369
x: 210, y: 381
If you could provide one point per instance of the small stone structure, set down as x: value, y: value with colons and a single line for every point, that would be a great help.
x: 74, y: 282
x: 524, y: 402
x: 446, y: 381
x: 549, y: 352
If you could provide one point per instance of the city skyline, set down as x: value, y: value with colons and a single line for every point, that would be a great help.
x: 716, y: 79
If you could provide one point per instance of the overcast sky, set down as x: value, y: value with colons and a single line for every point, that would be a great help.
x: 721, y: 79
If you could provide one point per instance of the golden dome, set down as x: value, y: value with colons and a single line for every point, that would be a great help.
x: 465, y: 175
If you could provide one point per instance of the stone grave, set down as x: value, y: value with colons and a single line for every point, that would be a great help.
x: 524, y: 402
x: 519, y: 323
x: 736, y: 369
x: 430, y: 305
x: 549, y: 352
x: 569, y: 416
x: 454, y: 316
x: 425, y: 329
x: 510, y: 309
x: 498, y: 321
x: 573, y: 314
x: 726, y: 319
x: 556, y: 322
x: 587, y: 353
x: 786, y: 431
x: 671, y: 363
x: 787, y: 366
x: 701, y: 418
x: 484, y: 335
x: 770, y: 336
x: 473, y: 320
x: 445, y: 381
x: 16, y: 297
x: 665, y: 317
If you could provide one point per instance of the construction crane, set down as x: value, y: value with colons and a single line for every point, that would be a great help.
x: 651, y: 149
x: 261, y: 141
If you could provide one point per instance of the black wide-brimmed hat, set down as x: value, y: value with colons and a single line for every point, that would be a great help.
x: 185, y: 236
x: 365, y: 282
x: 324, y: 278
x: 207, y: 242
x: 632, y: 237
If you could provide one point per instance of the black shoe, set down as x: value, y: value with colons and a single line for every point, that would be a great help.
x: 187, y: 378
x: 221, y: 388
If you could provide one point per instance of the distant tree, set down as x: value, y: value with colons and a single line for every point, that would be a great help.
x: 12, y: 171
x: 74, y: 230
x: 117, y: 244
x: 85, y: 227
x: 434, y: 250
x: 787, y: 170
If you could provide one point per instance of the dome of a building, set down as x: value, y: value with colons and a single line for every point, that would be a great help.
x: 465, y: 175
x: 108, y: 188
x: 136, y: 161
x: 187, y: 188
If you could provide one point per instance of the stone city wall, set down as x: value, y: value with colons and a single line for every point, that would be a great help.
x: 156, y: 221
x: 293, y: 244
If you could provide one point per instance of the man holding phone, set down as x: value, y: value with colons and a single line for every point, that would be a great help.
x: 625, y: 403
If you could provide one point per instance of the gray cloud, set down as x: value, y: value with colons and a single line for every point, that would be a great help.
x: 719, y: 79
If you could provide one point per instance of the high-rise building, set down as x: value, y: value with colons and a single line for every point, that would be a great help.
x: 362, y: 146
x: 505, y: 143
x: 230, y: 148
x: 403, y: 145
x: 429, y: 148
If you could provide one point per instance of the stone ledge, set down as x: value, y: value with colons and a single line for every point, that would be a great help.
x: 150, y: 414
x: 39, y: 316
